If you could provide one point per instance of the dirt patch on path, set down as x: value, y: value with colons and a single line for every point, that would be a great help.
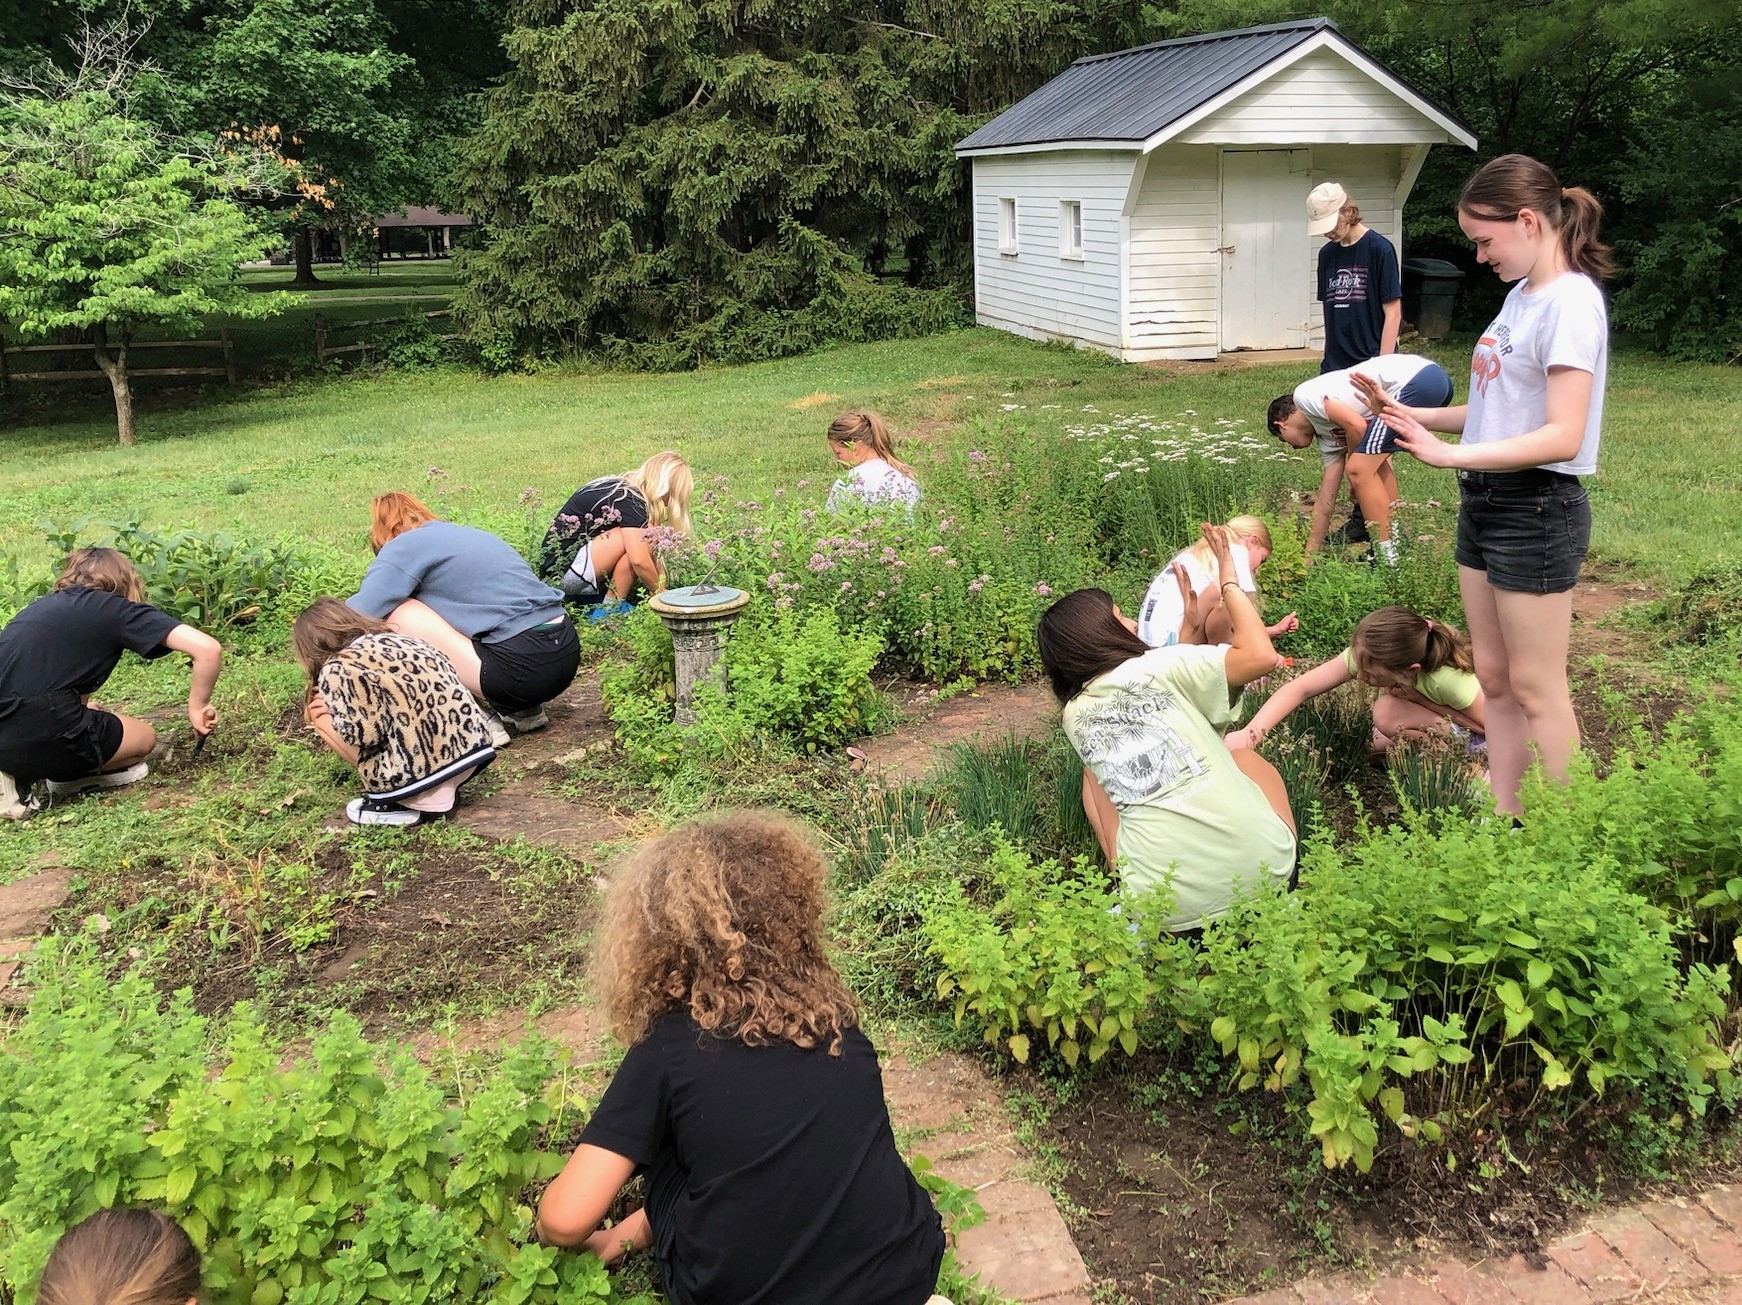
x: 991, y: 711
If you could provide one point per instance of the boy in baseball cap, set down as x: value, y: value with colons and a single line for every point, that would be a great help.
x: 1358, y: 281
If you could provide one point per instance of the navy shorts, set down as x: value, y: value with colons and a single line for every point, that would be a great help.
x: 55, y: 737
x: 1529, y: 530
x: 1428, y: 388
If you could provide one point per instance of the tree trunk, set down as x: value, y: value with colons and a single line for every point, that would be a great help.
x: 115, y: 368
x: 305, y: 257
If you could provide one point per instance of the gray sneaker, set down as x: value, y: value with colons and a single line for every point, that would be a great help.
x: 527, y: 721
x: 60, y: 788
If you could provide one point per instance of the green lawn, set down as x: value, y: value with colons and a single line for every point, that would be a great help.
x: 306, y: 457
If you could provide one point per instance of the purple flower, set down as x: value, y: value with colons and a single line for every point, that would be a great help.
x: 782, y: 604
x: 774, y: 580
x: 936, y: 550
x: 973, y: 586
x: 1043, y: 589
x: 712, y: 548
x: 819, y: 563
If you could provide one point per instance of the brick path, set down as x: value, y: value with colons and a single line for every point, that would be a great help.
x: 1682, y: 1251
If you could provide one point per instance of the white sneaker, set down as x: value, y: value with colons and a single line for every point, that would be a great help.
x: 527, y: 721
x: 499, y: 735
x: 13, y: 805
x: 60, y: 788
x: 369, y: 811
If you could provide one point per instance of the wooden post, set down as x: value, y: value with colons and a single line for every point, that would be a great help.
x: 229, y: 356
x: 320, y: 338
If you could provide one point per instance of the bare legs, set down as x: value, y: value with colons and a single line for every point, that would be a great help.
x: 1397, y: 718
x: 1374, y: 485
x: 611, y: 564
x: 1266, y: 776
x: 1104, y: 816
x: 419, y: 621
x: 138, y: 738
x: 1520, y: 644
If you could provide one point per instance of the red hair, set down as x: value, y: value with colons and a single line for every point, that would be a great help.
x: 395, y: 513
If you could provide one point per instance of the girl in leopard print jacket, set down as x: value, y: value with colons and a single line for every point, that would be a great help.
x: 394, y: 708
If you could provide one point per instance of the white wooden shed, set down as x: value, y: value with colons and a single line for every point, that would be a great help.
x: 1152, y: 202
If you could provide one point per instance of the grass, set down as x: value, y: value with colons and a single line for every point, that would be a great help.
x: 312, y: 453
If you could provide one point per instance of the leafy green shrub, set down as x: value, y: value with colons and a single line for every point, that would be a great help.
x: 340, y: 1177
x: 211, y: 580
x: 1416, y: 951
x: 803, y: 678
x: 1333, y: 594
x: 1058, y: 955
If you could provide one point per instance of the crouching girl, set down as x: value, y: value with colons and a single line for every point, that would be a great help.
x: 394, y: 708
x: 1423, y: 667
x: 749, y: 1100
x: 60, y: 650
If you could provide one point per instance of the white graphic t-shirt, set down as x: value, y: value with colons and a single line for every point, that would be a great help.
x: 1158, y: 620
x: 1391, y: 370
x: 876, y: 482
x: 1150, y: 732
x: 1564, y: 324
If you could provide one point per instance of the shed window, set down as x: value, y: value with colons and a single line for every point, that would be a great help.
x: 1007, y: 225
x: 1070, y: 228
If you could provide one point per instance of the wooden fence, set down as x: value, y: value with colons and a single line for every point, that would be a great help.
x: 10, y: 351
x: 325, y: 331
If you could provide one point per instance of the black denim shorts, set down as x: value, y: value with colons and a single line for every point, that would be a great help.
x: 527, y: 670
x: 1529, y: 530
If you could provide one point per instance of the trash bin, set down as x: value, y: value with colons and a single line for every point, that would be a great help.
x: 1430, y: 288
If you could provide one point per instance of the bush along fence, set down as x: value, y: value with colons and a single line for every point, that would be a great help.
x: 1422, y: 970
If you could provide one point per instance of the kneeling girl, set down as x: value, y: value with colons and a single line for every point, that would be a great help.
x: 1163, y: 616
x: 1169, y: 803
x: 394, y: 708
x: 1423, y: 666
x: 749, y: 1099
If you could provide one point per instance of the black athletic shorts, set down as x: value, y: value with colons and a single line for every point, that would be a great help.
x: 55, y: 737
x: 527, y: 670
x: 1529, y: 530
x: 1428, y: 388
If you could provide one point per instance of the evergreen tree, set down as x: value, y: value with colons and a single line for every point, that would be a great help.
x: 675, y: 181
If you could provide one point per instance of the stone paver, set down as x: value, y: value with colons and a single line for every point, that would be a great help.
x: 1023, y: 1250
x: 26, y: 907
x: 1677, y: 1251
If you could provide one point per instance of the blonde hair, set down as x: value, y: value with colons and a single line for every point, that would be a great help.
x: 1388, y: 642
x: 868, y: 428
x: 1246, y: 529
x: 392, y: 514
x: 326, y: 627
x: 102, y: 568
x: 722, y: 917
x: 665, y: 481
x: 121, y: 1257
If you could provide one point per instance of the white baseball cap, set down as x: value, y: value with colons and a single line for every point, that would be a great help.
x: 1323, y: 205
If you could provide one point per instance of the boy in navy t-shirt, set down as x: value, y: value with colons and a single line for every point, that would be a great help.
x: 1358, y: 281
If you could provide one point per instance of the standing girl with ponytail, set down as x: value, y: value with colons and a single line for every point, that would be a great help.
x: 1530, y: 431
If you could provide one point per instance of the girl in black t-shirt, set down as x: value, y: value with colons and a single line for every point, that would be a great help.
x: 61, y: 649
x: 598, y: 547
x: 749, y: 1100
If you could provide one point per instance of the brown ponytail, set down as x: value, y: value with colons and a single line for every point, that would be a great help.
x: 1389, y: 641
x: 868, y: 428
x: 1504, y: 187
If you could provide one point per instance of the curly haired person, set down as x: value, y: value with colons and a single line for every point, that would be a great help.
x: 749, y: 1100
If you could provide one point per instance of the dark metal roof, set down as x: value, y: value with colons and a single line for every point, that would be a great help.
x: 1130, y: 95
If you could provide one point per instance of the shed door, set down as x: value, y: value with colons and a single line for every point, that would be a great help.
x: 1265, y: 276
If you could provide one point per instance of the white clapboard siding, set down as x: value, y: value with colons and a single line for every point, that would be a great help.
x: 1176, y: 228
x: 1036, y: 291
x: 1319, y: 97
x: 1371, y: 175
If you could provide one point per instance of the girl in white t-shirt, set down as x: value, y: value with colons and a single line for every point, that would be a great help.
x: 1162, y: 616
x: 1530, y: 430
x: 876, y: 477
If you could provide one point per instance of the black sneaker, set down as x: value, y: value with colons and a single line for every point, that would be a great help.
x: 1352, y: 531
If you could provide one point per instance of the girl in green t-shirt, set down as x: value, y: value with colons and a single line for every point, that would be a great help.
x: 1423, y: 667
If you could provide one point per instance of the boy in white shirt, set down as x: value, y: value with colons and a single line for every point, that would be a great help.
x: 1329, y: 410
